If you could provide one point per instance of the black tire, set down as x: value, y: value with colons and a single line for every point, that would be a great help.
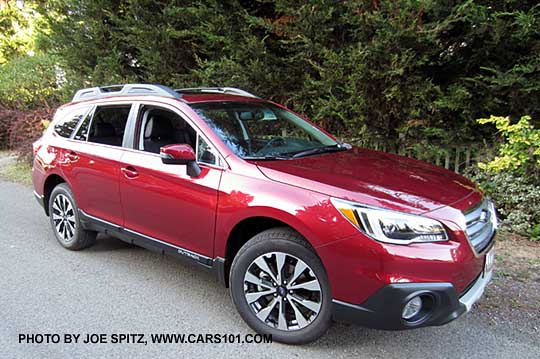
x: 291, y: 243
x: 79, y: 238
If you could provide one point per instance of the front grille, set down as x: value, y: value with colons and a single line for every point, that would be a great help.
x: 480, y: 225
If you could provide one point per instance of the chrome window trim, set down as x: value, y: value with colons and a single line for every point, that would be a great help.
x: 157, y: 155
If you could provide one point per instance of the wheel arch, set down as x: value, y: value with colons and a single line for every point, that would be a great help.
x: 246, y: 229
x: 52, y: 181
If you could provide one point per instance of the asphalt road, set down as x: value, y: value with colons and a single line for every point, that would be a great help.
x: 116, y: 288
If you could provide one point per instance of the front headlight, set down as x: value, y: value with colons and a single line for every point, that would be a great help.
x: 389, y: 226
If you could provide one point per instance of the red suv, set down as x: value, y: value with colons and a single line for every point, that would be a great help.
x: 302, y: 228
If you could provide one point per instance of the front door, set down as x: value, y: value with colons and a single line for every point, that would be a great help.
x: 162, y: 201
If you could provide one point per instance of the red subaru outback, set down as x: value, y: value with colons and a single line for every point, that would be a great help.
x: 302, y: 228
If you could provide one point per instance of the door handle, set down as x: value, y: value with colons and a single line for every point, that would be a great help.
x: 72, y: 156
x: 129, y: 172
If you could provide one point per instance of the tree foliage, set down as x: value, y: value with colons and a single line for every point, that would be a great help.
x: 18, y: 29
x: 31, y: 81
x: 409, y: 73
x: 398, y: 70
x: 520, y: 153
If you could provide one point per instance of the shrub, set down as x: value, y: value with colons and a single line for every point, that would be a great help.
x: 535, y: 232
x: 30, y: 82
x: 6, y: 117
x: 29, y: 86
x: 516, y: 198
x: 521, y: 151
x: 24, y: 128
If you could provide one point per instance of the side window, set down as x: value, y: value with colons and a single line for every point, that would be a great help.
x: 108, y: 124
x: 68, y: 122
x: 159, y: 127
x: 82, y: 132
x: 205, y: 154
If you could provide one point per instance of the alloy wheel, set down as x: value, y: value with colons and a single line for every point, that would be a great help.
x: 63, y: 217
x: 283, y: 291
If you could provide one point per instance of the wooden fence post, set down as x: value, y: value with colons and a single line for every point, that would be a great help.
x: 468, y: 157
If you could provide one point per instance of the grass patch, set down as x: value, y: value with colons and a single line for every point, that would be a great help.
x: 15, y: 171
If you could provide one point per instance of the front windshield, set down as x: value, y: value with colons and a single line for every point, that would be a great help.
x: 263, y: 130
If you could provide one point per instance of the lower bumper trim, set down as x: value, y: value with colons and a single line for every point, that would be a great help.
x: 383, y: 310
x: 475, y: 292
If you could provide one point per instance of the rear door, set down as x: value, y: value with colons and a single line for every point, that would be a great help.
x: 162, y: 201
x: 94, y: 154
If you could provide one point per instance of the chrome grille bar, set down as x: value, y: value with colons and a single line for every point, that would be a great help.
x: 481, y: 225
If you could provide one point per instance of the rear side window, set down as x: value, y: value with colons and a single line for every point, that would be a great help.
x: 69, y: 121
x: 82, y: 132
x: 108, y: 124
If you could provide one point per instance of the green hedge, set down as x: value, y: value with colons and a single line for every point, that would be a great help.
x: 396, y: 70
x: 31, y: 81
x: 517, y: 200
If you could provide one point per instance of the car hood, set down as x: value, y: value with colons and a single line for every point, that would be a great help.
x: 376, y: 178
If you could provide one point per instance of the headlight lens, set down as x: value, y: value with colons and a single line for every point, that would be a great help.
x: 389, y: 226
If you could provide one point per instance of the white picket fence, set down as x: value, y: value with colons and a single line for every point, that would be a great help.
x: 456, y: 158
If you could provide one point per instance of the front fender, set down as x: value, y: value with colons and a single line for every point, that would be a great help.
x: 308, y: 212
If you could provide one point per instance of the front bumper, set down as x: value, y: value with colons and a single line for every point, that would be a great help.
x: 383, y: 310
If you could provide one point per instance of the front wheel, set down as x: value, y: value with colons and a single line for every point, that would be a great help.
x: 65, y: 222
x: 280, y: 287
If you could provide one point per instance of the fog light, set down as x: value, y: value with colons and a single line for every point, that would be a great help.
x: 412, y: 308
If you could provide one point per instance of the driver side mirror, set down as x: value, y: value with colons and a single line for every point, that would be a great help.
x: 180, y: 154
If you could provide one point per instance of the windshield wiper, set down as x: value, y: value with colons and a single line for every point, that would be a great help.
x: 316, y: 150
x: 267, y: 157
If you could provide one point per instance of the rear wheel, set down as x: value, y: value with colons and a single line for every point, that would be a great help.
x: 65, y: 222
x: 279, y: 287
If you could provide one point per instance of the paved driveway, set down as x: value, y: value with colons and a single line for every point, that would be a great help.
x: 116, y: 288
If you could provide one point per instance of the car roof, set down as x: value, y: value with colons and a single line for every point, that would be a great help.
x: 188, y: 99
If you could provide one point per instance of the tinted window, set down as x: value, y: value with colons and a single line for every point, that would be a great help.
x: 205, y: 154
x: 82, y: 132
x: 108, y: 124
x: 65, y: 126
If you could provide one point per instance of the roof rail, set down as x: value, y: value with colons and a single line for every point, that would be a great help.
x: 93, y: 93
x: 223, y: 90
